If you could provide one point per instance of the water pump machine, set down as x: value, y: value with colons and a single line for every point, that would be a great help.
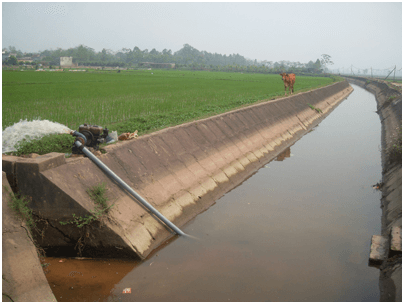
x: 93, y: 136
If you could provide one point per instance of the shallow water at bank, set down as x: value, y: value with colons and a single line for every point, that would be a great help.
x: 298, y: 229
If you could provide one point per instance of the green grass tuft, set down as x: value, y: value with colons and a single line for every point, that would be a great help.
x: 51, y: 143
x: 97, y: 194
x: 316, y: 109
x: 19, y: 204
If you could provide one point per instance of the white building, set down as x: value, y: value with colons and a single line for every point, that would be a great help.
x: 66, y: 61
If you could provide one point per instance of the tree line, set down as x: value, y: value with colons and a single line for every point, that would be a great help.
x: 187, y: 57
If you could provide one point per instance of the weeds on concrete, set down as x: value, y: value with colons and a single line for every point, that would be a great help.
x: 316, y: 109
x: 19, y: 204
x: 80, y: 221
x: 97, y: 194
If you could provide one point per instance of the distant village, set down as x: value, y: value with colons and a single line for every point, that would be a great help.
x: 36, y: 61
x: 33, y: 60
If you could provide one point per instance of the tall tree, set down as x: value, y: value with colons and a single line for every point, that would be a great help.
x: 12, y: 60
x: 317, y: 64
x: 326, y: 60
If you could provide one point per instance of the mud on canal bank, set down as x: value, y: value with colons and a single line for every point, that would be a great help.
x: 281, y: 139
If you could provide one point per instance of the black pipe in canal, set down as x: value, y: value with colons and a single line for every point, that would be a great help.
x: 296, y: 230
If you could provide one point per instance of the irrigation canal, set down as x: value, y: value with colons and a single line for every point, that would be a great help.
x: 298, y: 229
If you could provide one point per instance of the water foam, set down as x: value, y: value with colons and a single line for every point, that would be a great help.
x: 29, y: 130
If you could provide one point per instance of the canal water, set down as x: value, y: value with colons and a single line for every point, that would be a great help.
x: 298, y: 229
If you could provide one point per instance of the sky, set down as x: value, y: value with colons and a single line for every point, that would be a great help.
x: 362, y: 34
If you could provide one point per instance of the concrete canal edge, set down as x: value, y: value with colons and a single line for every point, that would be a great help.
x: 22, y: 274
x: 389, y: 108
x: 180, y: 170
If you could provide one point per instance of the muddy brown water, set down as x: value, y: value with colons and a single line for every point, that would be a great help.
x: 298, y: 229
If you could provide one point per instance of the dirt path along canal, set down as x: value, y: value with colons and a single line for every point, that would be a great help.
x: 297, y: 230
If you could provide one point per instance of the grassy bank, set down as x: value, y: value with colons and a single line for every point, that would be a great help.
x: 143, y: 100
x: 105, y: 98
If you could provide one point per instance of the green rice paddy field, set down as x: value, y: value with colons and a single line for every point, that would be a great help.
x: 145, y: 100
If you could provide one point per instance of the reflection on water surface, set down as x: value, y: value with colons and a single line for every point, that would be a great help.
x: 285, y: 154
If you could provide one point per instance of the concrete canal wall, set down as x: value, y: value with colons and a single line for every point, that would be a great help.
x: 23, y: 279
x: 181, y: 171
x: 389, y: 108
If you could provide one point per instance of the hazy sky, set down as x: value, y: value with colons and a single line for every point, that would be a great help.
x: 363, y: 34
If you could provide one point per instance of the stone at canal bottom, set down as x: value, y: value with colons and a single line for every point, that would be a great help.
x: 378, y: 250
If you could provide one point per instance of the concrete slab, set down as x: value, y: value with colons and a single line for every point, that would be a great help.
x: 378, y: 250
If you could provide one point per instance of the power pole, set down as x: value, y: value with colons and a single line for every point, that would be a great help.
x: 390, y: 73
x: 395, y: 69
x: 371, y: 72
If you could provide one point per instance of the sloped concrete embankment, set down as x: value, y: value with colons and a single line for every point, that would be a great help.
x: 389, y: 108
x: 181, y: 171
x: 22, y: 274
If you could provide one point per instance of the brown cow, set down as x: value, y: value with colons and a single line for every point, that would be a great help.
x: 289, y: 80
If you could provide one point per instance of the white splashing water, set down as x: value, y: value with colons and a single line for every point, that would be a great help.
x: 29, y: 130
